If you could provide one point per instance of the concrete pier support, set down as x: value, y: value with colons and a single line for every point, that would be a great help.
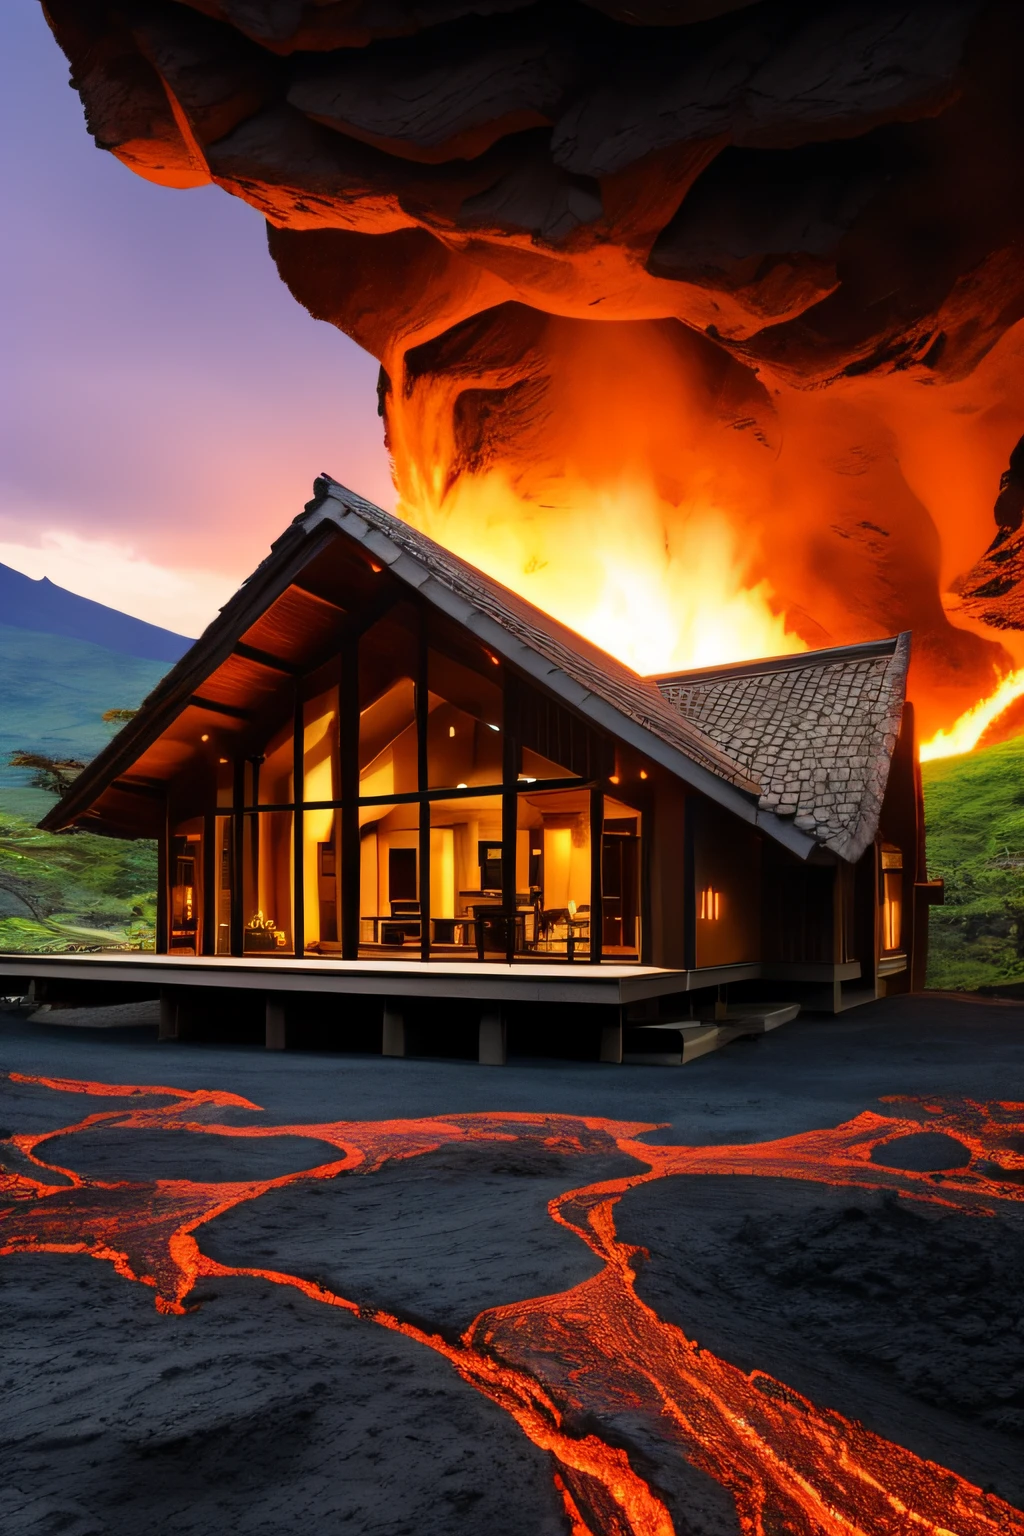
x: 168, y: 1029
x: 611, y: 1040
x: 277, y: 1025
x: 393, y: 1043
x: 493, y: 1047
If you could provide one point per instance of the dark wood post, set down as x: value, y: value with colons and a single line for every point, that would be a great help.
x: 298, y: 844
x: 237, y: 849
x: 422, y: 725
x: 348, y: 739
x: 596, y: 894
x: 163, y: 860
x: 511, y: 756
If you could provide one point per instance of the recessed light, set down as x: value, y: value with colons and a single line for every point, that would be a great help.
x: 204, y: 737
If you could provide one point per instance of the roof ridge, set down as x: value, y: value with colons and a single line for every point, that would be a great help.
x: 837, y: 655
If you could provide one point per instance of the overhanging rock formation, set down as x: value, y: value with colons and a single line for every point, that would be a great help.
x: 760, y: 202
x: 821, y: 189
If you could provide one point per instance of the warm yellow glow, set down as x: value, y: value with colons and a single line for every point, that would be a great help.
x: 660, y: 586
x: 964, y: 735
x: 710, y: 904
x: 204, y: 738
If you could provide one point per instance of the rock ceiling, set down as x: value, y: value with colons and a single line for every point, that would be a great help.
x: 798, y: 196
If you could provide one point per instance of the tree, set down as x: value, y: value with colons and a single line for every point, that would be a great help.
x: 55, y: 774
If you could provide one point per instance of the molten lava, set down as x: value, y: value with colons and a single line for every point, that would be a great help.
x: 557, y: 1364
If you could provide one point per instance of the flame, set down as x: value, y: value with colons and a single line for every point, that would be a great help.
x: 965, y: 733
x: 662, y: 588
x: 556, y: 1364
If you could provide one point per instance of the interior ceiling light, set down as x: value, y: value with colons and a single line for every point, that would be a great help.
x: 204, y: 737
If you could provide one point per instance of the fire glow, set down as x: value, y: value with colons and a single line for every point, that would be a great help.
x: 557, y: 1363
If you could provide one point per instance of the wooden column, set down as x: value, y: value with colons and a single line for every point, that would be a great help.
x: 492, y: 1047
x: 422, y: 723
x: 237, y: 847
x: 596, y: 898
x: 298, y: 845
x: 276, y: 1024
x: 348, y: 739
x: 163, y: 881
x: 510, y: 760
x: 393, y: 1036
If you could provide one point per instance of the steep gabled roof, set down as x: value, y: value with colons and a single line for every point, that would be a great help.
x: 569, y: 656
x: 690, y: 724
x: 816, y: 730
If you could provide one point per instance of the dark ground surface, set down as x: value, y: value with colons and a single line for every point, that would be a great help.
x: 265, y: 1412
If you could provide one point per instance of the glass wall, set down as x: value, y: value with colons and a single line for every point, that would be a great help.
x: 420, y: 850
x: 553, y: 868
x: 463, y: 725
x: 466, y: 875
x: 389, y: 877
x: 268, y: 873
x: 321, y: 825
x: 224, y: 856
x: 185, y: 907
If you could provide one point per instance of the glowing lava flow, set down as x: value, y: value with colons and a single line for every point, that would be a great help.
x: 558, y: 1363
x: 965, y: 733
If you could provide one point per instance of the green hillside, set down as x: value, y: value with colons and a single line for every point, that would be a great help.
x: 70, y: 890
x: 974, y: 809
x: 53, y: 692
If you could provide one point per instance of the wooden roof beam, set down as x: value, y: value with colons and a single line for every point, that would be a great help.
x: 265, y: 659
x: 198, y: 702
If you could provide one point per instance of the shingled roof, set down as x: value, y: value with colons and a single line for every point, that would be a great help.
x: 816, y: 730
x: 598, y: 677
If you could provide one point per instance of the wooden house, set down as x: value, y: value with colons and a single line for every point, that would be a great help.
x: 377, y: 755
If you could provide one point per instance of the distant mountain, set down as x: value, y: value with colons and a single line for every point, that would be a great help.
x: 44, y: 608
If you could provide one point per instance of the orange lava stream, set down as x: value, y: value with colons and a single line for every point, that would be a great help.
x: 557, y: 1363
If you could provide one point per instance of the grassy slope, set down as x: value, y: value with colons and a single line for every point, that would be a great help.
x: 70, y: 890
x: 54, y: 691
x: 974, y: 808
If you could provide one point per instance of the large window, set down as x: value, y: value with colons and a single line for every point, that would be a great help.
x: 410, y: 799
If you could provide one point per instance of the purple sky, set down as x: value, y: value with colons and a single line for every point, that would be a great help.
x: 166, y: 404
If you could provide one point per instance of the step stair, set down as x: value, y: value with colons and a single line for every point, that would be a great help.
x: 674, y: 1042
